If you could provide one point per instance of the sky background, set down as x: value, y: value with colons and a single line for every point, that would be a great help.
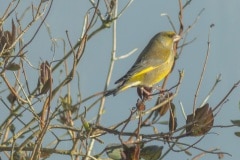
x: 139, y: 23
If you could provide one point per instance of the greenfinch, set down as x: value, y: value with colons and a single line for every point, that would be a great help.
x: 152, y: 65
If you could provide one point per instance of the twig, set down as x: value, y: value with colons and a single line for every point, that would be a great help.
x: 126, y: 55
x: 12, y: 90
x: 6, y: 14
x: 126, y: 6
x: 225, y: 97
x: 183, y: 111
x: 82, y: 39
x: 202, y: 74
x: 195, y: 21
x: 109, y: 75
x: 180, y: 17
x: 169, y: 20
x: 211, y: 91
x: 102, y: 101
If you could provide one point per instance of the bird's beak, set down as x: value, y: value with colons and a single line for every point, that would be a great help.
x: 176, y: 38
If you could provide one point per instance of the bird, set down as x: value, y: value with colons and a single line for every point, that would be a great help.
x: 153, y: 64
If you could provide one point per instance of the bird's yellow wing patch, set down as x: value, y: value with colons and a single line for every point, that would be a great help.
x: 143, y: 71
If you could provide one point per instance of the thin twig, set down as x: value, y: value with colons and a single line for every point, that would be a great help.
x: 202, y: 74
x: 225, y: 97
x: 211, y: 91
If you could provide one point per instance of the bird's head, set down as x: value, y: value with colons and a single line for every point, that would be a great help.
x: 167, y: 38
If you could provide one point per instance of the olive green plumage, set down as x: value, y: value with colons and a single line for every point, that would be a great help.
x: 152, y: 65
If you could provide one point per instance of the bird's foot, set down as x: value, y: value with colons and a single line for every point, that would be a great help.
x: 144, y: 93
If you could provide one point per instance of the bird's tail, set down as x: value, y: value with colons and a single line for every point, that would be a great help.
x: 111, y: 92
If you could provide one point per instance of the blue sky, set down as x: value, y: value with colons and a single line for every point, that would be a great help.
x: 135, y: 28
